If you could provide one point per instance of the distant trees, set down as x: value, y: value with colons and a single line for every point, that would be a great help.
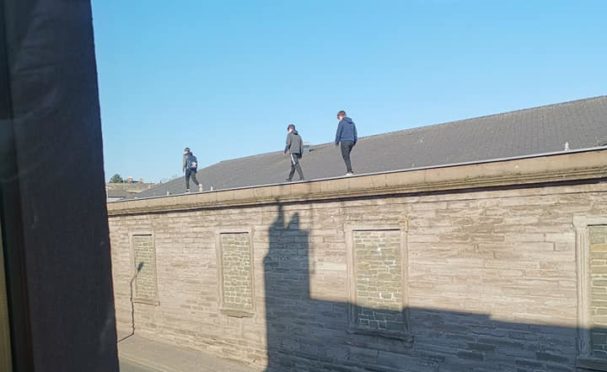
x: 116, y: 179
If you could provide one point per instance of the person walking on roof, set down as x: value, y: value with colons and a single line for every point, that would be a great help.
x: 294, y: 148
x: 347, y: 137
x: 190, y: 168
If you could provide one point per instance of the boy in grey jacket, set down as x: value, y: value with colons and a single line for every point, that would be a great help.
x: 294, y: 148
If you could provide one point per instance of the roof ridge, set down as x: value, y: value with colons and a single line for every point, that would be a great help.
x: 445, y: 123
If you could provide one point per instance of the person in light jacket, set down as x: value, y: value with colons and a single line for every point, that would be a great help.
x: 190, y: 168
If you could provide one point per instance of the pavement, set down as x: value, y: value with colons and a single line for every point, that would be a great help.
x: 126, y: 366
x: 139, y: 354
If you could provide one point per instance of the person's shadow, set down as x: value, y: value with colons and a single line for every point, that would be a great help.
x: 287, y: 293
x: 307, y: 334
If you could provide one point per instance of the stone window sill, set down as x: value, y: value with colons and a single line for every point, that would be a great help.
x: 392, y: 335
x: 146, y: 301
x: 591, y: 364
x: 237, y: 313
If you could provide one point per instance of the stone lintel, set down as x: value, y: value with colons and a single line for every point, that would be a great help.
x: 591, y: 364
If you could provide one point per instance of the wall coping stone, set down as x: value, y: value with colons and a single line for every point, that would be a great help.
x: 585, y: 165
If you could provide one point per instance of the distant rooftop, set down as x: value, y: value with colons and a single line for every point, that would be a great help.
x: 125, y: 190
x: 564, y: 126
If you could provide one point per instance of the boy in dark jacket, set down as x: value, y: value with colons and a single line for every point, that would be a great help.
x: 190, y: 167
x: 347, y: 137
x: 294, y: 148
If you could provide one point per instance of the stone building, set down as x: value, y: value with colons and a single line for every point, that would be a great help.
x: 481, y: 265
x: 127, y: 190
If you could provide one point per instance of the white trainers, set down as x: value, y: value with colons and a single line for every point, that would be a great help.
x: 187, y: 191
x: 349, y: 174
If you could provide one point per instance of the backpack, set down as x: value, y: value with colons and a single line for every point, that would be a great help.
x: 193, y: 162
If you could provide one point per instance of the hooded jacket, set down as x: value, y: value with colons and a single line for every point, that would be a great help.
x: 190, y: 162
x: 346, y: 131
x: 294, y: 143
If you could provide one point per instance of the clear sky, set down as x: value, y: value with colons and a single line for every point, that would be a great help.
x: 225, y: 77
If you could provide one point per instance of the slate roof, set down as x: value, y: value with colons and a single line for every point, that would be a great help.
x: 581, y: 123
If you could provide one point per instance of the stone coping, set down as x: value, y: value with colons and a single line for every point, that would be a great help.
x: 550, y: 168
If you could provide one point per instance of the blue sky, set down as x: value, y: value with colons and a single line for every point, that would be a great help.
x: 225, y: 77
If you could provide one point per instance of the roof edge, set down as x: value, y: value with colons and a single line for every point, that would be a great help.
x: 587, y: 165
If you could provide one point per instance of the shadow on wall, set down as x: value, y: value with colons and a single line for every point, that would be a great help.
x: 132, y: 301
x: 304, y: 334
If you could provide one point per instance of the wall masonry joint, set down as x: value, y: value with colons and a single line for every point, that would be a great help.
x: 406, y: 339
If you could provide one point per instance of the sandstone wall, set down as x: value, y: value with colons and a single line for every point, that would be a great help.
x: 490, y: 278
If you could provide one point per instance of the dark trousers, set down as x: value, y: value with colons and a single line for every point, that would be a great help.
x: 346, y: 149
x: 190, y: 173
x: 295, y: 166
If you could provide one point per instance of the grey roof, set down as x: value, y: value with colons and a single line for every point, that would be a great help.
x: 581, y: 124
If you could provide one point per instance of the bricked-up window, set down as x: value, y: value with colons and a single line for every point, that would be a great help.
x: 236, y: 273
x: 598, y: 290
x: 591, y: 257
x: 146, y: 284
x: 378, y: 281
